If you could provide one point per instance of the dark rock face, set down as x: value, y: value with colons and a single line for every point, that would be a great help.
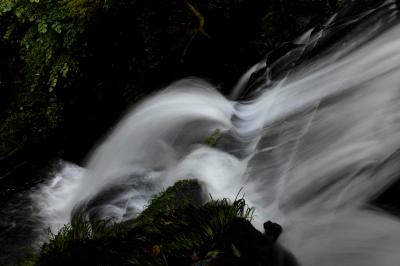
x: 251, y: 247
x: 272, y: 230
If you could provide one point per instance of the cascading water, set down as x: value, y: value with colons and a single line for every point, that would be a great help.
x: 310, y: 148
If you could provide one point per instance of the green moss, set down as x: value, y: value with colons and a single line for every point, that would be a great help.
x: 213, y: 138
x: 182, y: 193
x: 175, y: 229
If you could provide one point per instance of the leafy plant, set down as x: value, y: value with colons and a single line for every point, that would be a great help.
x: 81, y: 229
x: 49, y: 34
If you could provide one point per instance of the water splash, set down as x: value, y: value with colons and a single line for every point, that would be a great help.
x: 310, y: 149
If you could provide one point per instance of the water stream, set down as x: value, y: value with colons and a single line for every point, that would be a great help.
x: 310, y: 147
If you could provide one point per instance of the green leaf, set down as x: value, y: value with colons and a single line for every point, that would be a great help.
x: 236, y: 251
x: 42, y: 27
x: 212, y: 254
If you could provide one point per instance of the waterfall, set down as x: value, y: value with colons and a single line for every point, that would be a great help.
x: 311, y: 144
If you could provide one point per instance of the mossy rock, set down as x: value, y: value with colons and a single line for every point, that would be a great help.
x: 175, y: 229
x: 183, y: 193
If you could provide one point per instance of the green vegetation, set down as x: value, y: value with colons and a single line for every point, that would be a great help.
x: 175, y: 229
x: 182, y: 193
x: 213, y: 138
x: 49, y: 36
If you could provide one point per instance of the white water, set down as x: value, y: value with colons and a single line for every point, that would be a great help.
x: 309, y: 153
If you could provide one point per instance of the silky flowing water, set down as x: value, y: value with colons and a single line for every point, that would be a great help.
x: 308, y: 148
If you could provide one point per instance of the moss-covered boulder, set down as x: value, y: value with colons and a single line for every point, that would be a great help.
x: 177, y: 228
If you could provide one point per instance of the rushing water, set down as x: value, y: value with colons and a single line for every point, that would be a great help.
x: 310, y: 147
